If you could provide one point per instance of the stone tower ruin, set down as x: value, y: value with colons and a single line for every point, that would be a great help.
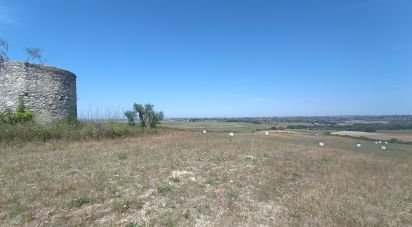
x: 49, y: 92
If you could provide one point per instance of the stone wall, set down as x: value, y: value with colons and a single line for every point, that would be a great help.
x: 49, y: 92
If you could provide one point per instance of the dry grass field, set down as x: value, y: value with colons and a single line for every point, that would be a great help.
x: 186, y: 178
x: 216, y: 126
x: 402, y: 135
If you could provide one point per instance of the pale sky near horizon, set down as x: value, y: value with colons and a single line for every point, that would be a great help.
x: 221, y: 58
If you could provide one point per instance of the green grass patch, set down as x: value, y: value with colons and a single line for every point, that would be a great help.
x: 165, y: 188
x: 132, y: 224
x: 79, y: 202
x: 122, y: 156
x: 232, y: 194
x: 212, y: 181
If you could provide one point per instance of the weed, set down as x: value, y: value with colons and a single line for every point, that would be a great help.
x: 186, y: 214
x: 166, y: 188
x: 132, y: 224
x: 212, y: 181
x: 232, y: 194
x: 219, y: 158
x: 122, y: 156
x: 79, y: 202
x: 295, y: 173
x: 175, y: 179
x: 267, y: 156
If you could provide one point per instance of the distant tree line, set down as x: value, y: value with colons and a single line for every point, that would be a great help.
x: 246, y: 120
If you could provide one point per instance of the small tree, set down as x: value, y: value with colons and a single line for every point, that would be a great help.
x: 4, y: 48
x: 131, y: 117
x: 148, y: 117
x: 33, y: 54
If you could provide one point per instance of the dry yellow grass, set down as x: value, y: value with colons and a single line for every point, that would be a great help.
x: 403, y: 135
x: 179, y: 178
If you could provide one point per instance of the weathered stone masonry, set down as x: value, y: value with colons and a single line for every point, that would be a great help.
x: 49, y: 92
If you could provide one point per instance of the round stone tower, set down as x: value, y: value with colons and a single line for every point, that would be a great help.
x: 49, y: 92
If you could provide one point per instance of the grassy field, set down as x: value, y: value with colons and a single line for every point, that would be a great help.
x: 219, y: 126
x: 402, y: 135
x: 186, y: 178
x: 216, y: 126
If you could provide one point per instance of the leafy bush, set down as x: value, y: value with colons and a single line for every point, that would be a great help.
x: 22, y: 115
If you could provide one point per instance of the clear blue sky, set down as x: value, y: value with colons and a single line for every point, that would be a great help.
x: 206, y: 58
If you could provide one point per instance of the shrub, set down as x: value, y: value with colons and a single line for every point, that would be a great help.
x: 22, y: 115
x: 394, y: 140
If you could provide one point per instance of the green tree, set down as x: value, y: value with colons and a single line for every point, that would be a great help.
x: 148, y: 117
x: 131, y: 117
